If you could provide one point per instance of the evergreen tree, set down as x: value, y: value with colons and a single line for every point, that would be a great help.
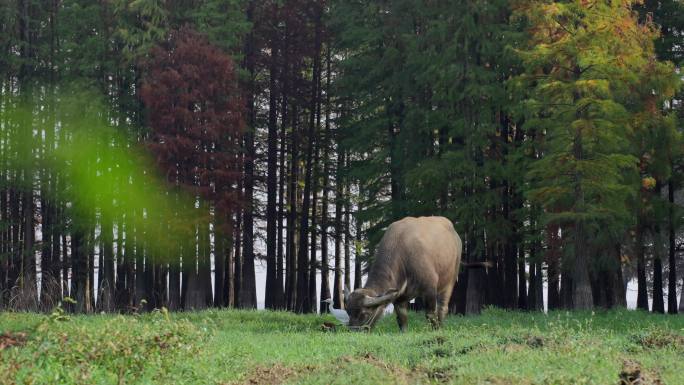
x: 585, y: 61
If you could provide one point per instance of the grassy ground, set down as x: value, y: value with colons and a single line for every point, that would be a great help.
x: 244, y: 347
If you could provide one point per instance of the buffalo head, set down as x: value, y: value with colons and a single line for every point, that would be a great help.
x: 365, y: 306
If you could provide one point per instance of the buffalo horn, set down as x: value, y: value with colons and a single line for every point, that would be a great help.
x: 386, y: 298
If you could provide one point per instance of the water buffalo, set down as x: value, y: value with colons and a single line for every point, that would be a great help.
x: 416, y: 257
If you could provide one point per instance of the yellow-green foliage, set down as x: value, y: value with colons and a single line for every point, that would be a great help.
x: 102, y: 171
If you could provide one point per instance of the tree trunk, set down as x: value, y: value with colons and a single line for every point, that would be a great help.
x: 120, y: 293
x: 338, y: 297
x: 553, y: 263
x: 175, y: 302
x: 642, y: 293
x: 313, y: 260
x: 532, y: 282
x: 658, y: 245
x: 49, y: 295
x: 292, y: 215
x: 581, y: 295
x: 566, y: 290
x: 229, y: 287
x: 237, y: 256
x: 4, y: 241
x: 280, y: 300
x: 220, y: 230
x: 347, y: 234
x: 90, y: 283
x: 681, y: 300
x: 247, y: 295
x: 620, y: 298
x: 325, y: 138
x: 510, y: 248
x: 107, y: 283
x: 672, y: 262
x: 205, y: 262
x: 193, y: 296
x: 475, y: 287
x: 522, y: 280
x: 272, y: 289
x: 140, y: 289
x: 358, y: 249
x: 79, y: 271
x: 28, y: 276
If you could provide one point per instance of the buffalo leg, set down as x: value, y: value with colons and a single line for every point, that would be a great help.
x: 401, y: 309
x: 443, y: 304
x: 431, y: 311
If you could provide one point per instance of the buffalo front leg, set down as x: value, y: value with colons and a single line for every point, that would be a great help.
x: 401, y: 309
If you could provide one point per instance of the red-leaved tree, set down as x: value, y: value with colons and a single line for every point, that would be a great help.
x: 190, y: 90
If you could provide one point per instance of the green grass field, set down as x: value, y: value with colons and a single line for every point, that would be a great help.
x: 249, y: 347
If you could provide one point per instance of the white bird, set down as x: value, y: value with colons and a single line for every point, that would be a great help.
x: 340, y: 314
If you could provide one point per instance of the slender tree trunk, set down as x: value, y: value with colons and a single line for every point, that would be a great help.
x: 48, y: 297
x: 220, y: 230
x: 90, y: 284
x: 140, y: 287
x: 292, y: 215
x: 228, y: 290
x: 79, y: 271
x: 280, y: 272
x: 474, y: 295
x: 205, y: 262
x: 303, y: 303
x: 642, y: 293
x: 175, y: 302
x: 15, y: 254
x: 317, y: 102
x: 106, y: 299
x: 347, y: 235
x: 672, y: 262
x: 313, y: 260
x: 522, y: 280
x: 620, y: 296
x: 272, y: 288
x: 658, y: 245
x: 681, y: 300
x: 28, y: 282
x: 510, y: 248
x: 237, y: 257
x: 247, y: 295
x: 581, y: 296
x: 358, y: 249
x: 338, y: 297
x: 120, y: 300
x: 532, y: 303
x: 194, y: 295
x: 325, y: 137
x: 4, y: 239
x: 566, y: 289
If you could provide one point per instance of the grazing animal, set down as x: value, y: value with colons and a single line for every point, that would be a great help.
x: 416, y: 257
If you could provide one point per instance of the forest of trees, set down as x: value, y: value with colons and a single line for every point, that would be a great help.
x: 151, y: 151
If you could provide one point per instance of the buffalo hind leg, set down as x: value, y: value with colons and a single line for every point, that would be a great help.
x: 431, y: 311
x: 443, y: 303
x: 401, y: 309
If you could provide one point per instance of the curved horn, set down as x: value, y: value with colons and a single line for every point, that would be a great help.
x: 386, y: 298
